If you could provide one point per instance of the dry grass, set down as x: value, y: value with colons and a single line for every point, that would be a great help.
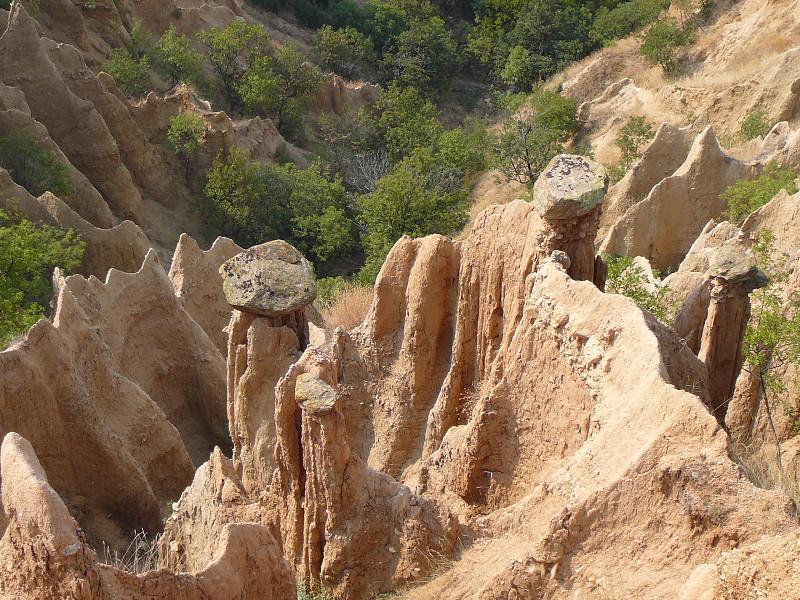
x: 761, y: 468
x: 349, y: 308
x: 139, y: 557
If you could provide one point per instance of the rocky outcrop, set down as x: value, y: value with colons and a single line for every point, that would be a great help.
x: 43, y: 552
x: 489, y: 402
x: 337, y: 95
x: 746, y: 417
x: 567, y: 195
x: 195, y: 277
x: 25, y: 64
x: 732, y: 276
x: 132, y: 388
x: 663, y: 226
x: 660, y: 159
x: 272, y: 280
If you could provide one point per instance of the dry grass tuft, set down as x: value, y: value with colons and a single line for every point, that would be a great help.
x: 349, y: 308
x: 139, y: 557
x: 761, y: 468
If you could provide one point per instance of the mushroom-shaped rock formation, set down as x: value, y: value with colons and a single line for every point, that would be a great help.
x: 271, y: 279
x: 567, y: 195
x: 569, y: 187
x: 733, y: 275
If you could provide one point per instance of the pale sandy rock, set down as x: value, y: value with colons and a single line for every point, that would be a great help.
x: 340, y: 96
x: 43, y: 553
x: 195, y: 276
x: 121, y: 247
x: 24, y: 63
x: 272, y: 279
x: 660, y: 159
x: 129, y: 382
x: 85, y: 199
x: 663, y: 226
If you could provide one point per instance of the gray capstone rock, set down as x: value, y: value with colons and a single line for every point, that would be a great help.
x: 569, y: 187
x: 271, y: 279
x: 738, y: 269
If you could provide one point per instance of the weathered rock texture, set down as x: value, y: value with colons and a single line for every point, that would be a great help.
x: 118, y: 393
x: 489, y: 411
x: 272, y: 279
x: 663, y: 226
x: 567, y: 196
x: 43, y: 552
x: 195, y: 276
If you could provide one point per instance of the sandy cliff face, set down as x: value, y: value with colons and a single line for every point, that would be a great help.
x: 493, y: 415
x: 118, y: 393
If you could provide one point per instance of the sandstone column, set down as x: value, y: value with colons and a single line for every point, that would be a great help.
x: 732, y: 276
x: 568, y: 195
x: 271, y: 286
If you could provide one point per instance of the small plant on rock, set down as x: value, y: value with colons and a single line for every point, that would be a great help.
x: 626, y: 278
x: 748, y: 195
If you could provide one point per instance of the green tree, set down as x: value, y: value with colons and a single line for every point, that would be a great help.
x: 748, y: 195
x: 347, y: 52
x: 631, y: 140
x: 141, y: 42
x: 422, y: 195
x: 772, y: 338
x: 518, y: 70
x: 424, y: 55
x: 254, y: 203
x: 132, y: 75
x: 176, y: 59
x: 231, y: 50
x: 555, y: 33
x: 33, y: 166
x: 28, y: 255
x: 186, y: 135
x: 613, y: 23
x: 660, y: 42
x: 407, y: 121
x: 281, y: 87
x: 525, y: 144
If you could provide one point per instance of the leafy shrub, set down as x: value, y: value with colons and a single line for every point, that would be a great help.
x: 254, y: 203
x: 748, y: 195
x: 345, y: 51
x: 615, y: 23
x: 33, y: 166
x: 28, y: 255
x: 281, y: 87
x: 231, y: 50
x: 555, y: 32
x: 186, y: 134
x: 630, y: 280
x: 407, y: 121
x: 756, y: 124
x: 176, y: 60
x: 141, y: 41
x: 132, y: 75
x: 518, y: 70
x: 636, y: 133
x: 660, y: 42
x: 422, y: 195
